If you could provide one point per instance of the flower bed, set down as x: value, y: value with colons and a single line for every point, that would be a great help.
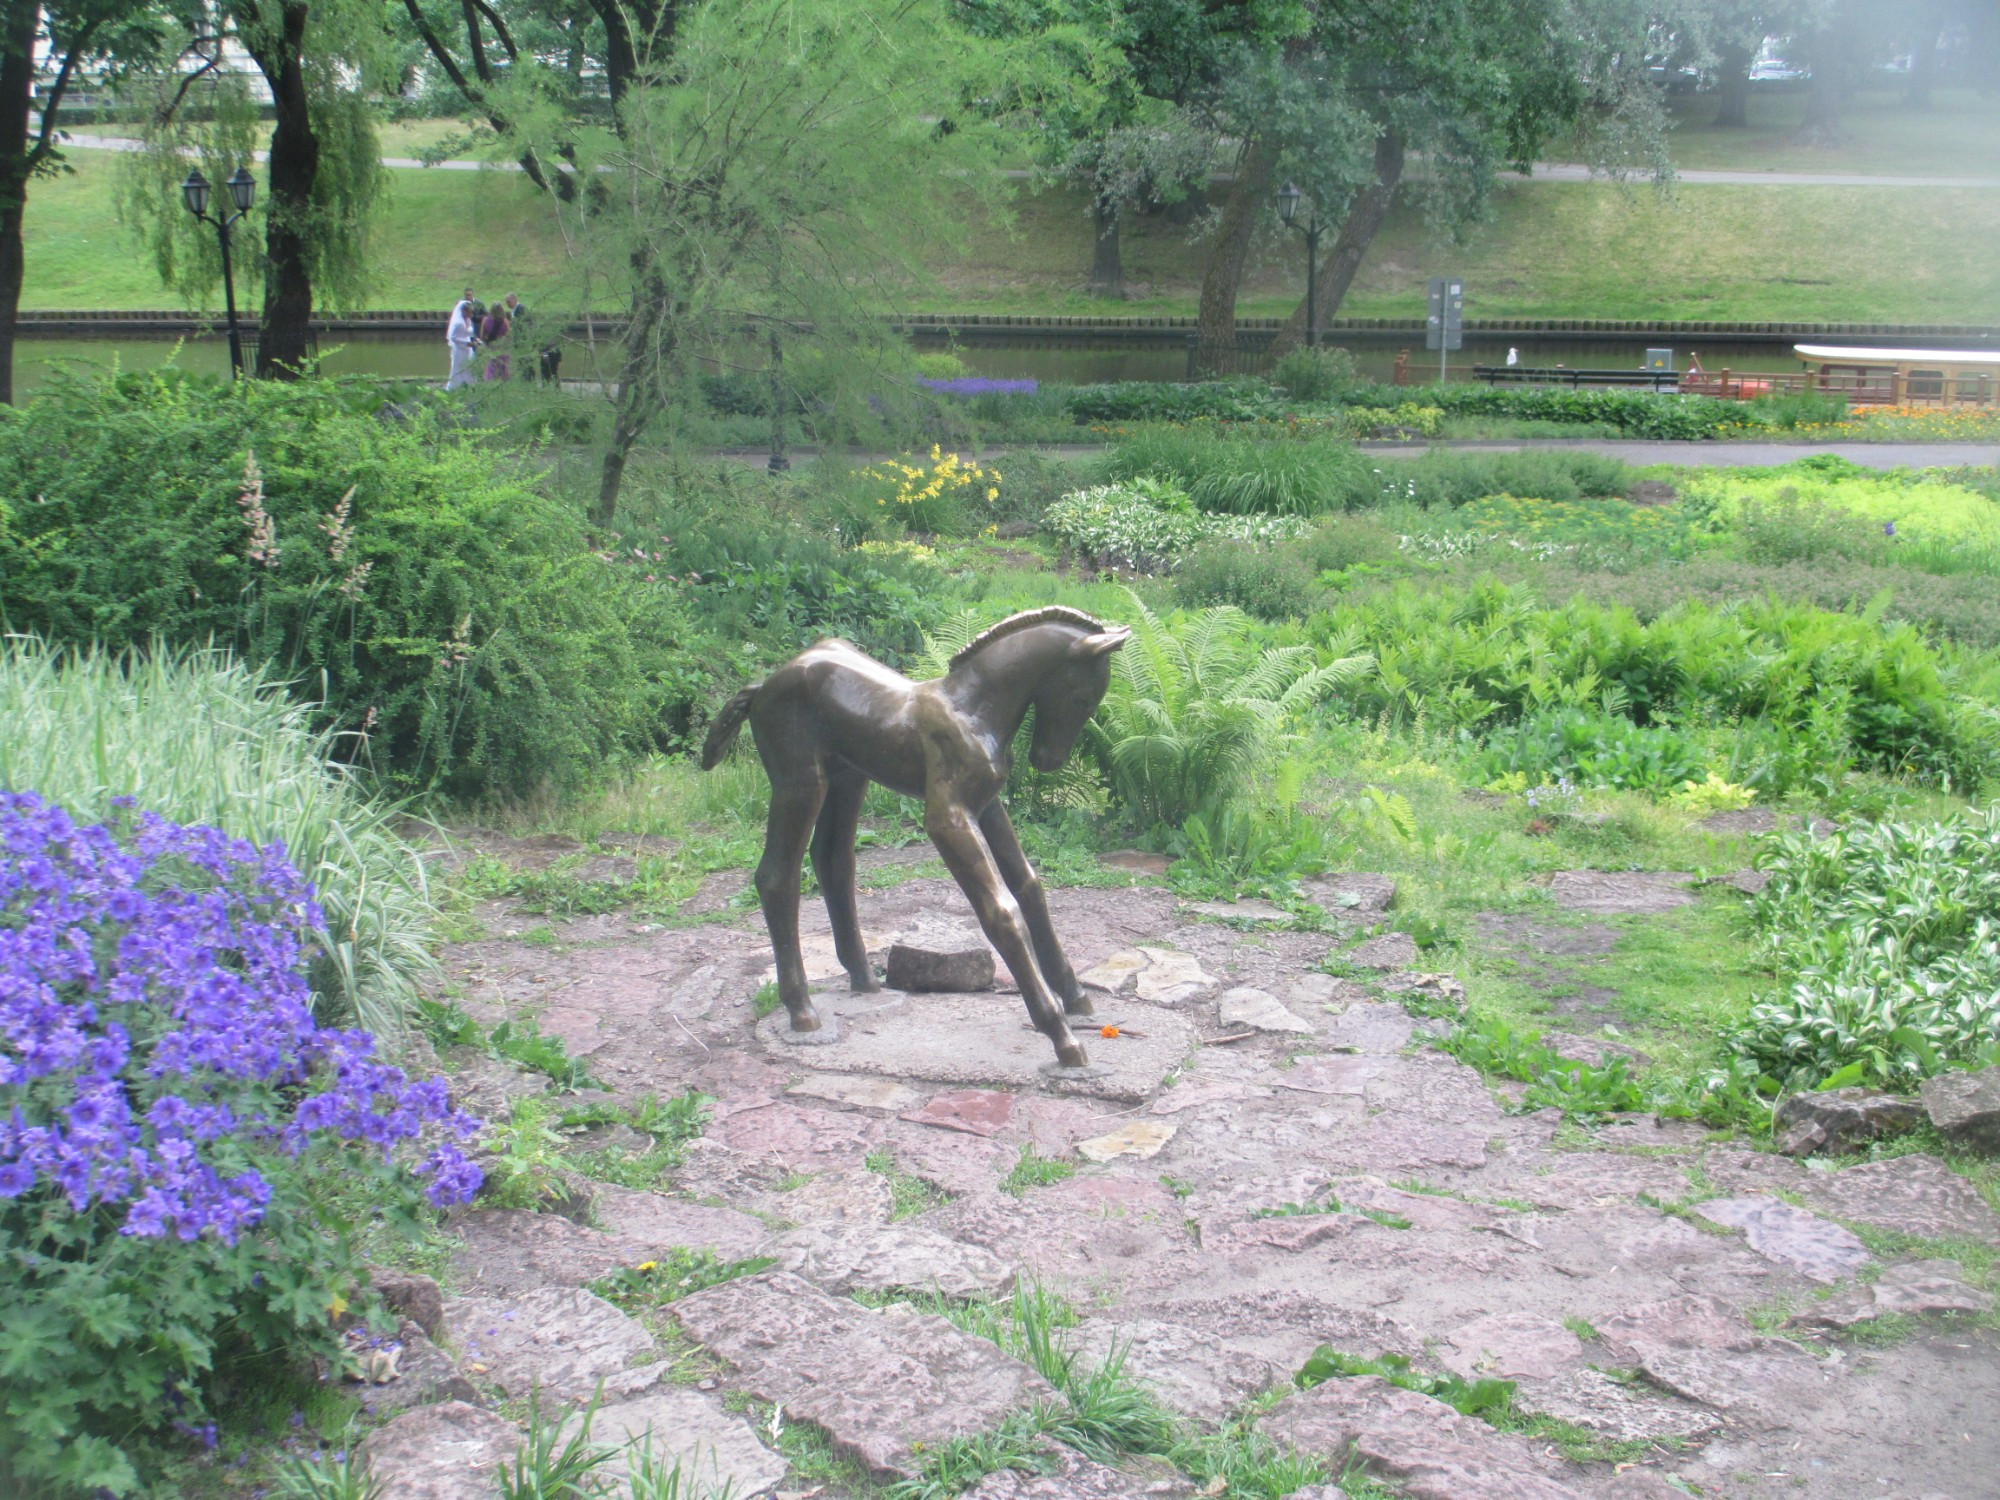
x: 177, y: 1134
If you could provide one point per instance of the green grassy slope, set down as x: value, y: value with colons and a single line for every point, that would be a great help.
x: 1812, y: 254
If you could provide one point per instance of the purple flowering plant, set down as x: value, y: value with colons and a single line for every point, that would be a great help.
x: 980, y: 385
x: 186, y: 1156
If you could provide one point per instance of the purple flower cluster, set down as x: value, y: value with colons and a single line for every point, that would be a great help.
x: 980, y: 385
x: 156, y: 1031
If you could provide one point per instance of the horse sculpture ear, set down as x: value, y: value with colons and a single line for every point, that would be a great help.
x: 1102, y: 643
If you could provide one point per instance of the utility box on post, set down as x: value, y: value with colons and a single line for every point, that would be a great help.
x: 1660, y: 361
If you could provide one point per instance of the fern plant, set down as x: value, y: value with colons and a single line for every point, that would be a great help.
x: 1194, y: 704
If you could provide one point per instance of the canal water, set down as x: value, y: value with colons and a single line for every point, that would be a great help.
x: 422, y: 356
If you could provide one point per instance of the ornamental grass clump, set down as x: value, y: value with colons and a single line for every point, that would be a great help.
x: 187, y: 1158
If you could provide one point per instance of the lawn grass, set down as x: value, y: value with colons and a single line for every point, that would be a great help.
x: 1550, y: 249
x: 1957, y: 136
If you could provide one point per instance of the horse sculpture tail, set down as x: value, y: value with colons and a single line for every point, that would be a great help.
x: 722, y: 733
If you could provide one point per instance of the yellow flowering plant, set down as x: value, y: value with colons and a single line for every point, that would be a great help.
x: 926, y: 494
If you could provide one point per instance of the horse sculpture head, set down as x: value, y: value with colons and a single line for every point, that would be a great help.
x: 1070, y: 693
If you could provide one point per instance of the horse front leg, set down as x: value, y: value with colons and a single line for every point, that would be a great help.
x: 1027, y: 888
x: 795, y: 803
x: 966, y: 855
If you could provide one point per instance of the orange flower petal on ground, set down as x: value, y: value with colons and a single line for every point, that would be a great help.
x: 1107, y: 1031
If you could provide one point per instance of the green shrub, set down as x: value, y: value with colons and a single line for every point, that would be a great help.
x: 1193, y: 704
x: 1160, y: 401
x: 201, y: 739
x: 1802, y: 692
x: 1886, y: 938
x: 1285, y: 579
x: 1898, y: 504
x: 1787, y: 410
x: 1147, y: 524
x: 1639, y: 414
x: 1315, y: 375
x: 1593, y: 749
x: 1243, y: 475
x: 421, y: 592
x: 1446, y: 479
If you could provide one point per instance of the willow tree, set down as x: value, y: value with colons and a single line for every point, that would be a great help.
x: 324, y: 171
x: 764, y: 164
x: 1469, y: 87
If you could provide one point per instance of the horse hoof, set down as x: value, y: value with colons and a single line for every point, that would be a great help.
x: 1073, y: 1056
x: 865, y: 984
x: 806, y: 1020
x: 1080, y: 1006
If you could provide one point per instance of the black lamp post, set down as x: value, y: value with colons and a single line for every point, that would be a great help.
x: 242, y: 192
x: 1288, y: 210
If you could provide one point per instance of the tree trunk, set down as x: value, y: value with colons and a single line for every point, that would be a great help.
x: 1107, y: 265
x: 1215, y: 328
x: 1927, y: 24
x: 17, y: 76
x: 1732, y: 86
x: 641, y: 382
x: 1829, y: 56
x: 276, y: 43
x: 1357, y: 233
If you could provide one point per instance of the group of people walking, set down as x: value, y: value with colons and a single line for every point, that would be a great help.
x: 501, y: 329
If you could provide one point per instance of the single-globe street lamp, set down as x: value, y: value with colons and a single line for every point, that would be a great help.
x: 1288, y: 210
x: 242, y: 192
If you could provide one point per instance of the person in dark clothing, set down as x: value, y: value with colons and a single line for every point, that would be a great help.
x: 547, y: 363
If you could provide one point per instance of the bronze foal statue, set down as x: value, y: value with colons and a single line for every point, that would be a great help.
x: 831, y: 720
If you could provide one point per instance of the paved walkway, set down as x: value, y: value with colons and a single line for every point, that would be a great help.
x: 1710, y: 455
x: 1551, y: 171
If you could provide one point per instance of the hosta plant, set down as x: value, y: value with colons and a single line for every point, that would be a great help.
x: 186, y: 1157
x: 1887, y: 943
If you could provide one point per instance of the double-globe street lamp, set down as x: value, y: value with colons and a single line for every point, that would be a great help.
x: 242, y: 191
x: 1288, y: 210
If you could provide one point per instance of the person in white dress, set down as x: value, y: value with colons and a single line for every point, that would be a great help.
x: 459, y: 334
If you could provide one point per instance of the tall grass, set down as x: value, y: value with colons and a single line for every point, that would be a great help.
x: 1277, y: 476
x: 200, y: 738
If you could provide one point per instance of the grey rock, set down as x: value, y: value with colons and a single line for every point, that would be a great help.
x: 452, y: 1451
x: 1430, y: 1450
x: 660, y: 1221
x: 1260, y: 1011
x: 1242, y: 911
x: 420, y: 1374
x: 715, y: 1447
x: 506, y: 1250
x: 1790, y: 1236
x: 1592, y: 1399
x: 1392, y: 950
x: 1624, y: 892
x: 1687, y: 1322
x: 956, y: 971
x: 410, y: 1295
x: 1361, y: 894
x: 1071, y: 1476
x: 562, y: 1339
x: 862, y: 1093
x: 1513, y: 1346
x: 1193, y: 1371
x: 885, y: 1383
x: 891, y: 1258
x: 1916, y: 1195
x: 1913, y: 1289
x: 1764, y: 1384
x: 1841, y: 1120
x: 1965, y: 1107
x: 854, y: 1196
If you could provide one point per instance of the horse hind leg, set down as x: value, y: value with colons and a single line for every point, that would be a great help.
x: 1027, y: 888
x: 833, y: 867
x: 795, y: 804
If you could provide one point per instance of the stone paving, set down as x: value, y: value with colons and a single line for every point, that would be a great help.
x: 1267, y: 1160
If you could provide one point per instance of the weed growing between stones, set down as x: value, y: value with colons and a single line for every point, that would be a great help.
x: 908, y: 1195
x: 1237, y: 1459
x: 1034, y: 1170
x: 556, y: 1461
x: 670, y: 1124
x: 765, y: 1001
x: 519, y: 1041
x: 329, y: 1477
x: 678, y: 1273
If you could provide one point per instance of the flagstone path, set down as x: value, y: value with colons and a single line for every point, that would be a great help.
x: 1640, y: 1280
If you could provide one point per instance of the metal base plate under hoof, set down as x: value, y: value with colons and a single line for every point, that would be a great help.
x: 831, y: 1029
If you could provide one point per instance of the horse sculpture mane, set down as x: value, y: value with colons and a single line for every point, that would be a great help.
x: 1048, y: 614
